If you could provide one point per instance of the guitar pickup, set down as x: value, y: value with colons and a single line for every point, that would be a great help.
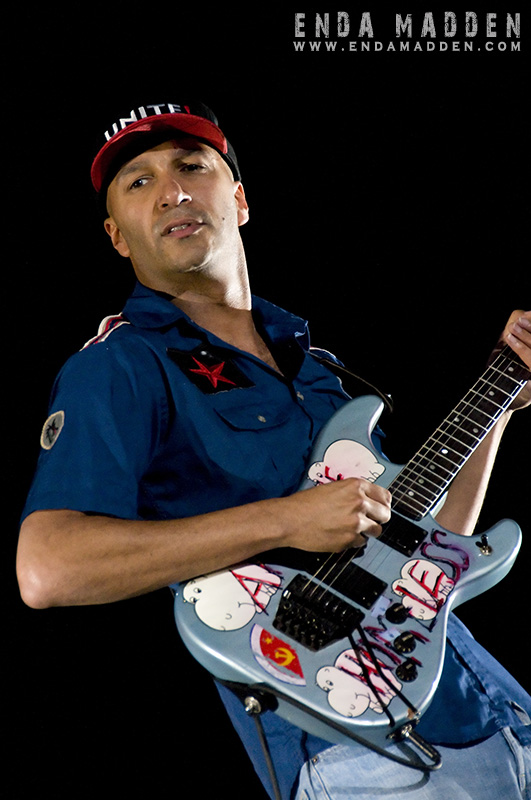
x: 402, y: 535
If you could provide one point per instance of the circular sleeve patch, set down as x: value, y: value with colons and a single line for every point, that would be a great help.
x: 51, y: 429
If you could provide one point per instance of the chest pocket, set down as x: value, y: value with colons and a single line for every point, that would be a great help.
x: 264, y: 441
x: 254, y: 418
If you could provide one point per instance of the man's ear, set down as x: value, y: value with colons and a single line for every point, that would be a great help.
x: 118, y: 241
x: 241, y: 203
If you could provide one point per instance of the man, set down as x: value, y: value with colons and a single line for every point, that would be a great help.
x: 164, y: 456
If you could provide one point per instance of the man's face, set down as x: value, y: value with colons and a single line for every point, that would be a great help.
x: 174, y: 210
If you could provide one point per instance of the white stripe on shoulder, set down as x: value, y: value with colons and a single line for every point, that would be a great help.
x: 106, y: 327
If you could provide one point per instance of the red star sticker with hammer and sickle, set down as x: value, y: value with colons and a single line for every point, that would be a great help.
x: 212, y: 373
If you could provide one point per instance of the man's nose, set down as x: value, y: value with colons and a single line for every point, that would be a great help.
x: 172, y: 194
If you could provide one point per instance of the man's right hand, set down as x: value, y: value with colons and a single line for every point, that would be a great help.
x: 338, y: 515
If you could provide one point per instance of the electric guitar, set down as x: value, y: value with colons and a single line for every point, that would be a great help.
x: 350, y: 646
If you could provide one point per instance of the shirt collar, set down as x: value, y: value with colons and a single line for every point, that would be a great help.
x: 148, y: 308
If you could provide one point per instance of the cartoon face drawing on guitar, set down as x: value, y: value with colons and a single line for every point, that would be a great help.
x: 345, y: 458
x: 348, y: 690
x: 424, y: 588
x: 229, y: 599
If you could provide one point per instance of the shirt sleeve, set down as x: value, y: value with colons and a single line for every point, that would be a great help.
x: 107, y: 411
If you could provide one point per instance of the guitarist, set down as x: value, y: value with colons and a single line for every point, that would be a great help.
x: 163, y: 456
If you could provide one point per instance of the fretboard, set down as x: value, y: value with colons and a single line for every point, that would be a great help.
x: 425, y: 478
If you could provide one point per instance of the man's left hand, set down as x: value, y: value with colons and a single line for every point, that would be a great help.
x: 517, y: 334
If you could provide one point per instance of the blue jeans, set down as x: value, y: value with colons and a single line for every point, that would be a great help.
x: 498, y: 768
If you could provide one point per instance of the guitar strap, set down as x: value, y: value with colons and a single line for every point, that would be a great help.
x: 325, y: 358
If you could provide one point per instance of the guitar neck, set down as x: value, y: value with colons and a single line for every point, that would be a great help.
x: 425, y: 478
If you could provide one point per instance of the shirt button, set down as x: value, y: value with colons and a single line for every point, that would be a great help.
x: 261, y: 418
x: 300, y: 395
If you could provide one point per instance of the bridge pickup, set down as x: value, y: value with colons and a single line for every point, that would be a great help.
x: 402, y: 535
x: 339, y: 571
x: 355, y: 583
x: 314, y: 616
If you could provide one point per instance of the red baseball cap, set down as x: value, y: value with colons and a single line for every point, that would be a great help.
x: 129, y: 134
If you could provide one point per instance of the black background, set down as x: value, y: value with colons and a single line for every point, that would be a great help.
x: 389, y: 206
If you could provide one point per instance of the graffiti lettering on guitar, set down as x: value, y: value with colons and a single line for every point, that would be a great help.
x: 351, y: 645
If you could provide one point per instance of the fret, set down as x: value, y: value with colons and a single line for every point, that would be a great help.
x: 508, y: 364
x: 447, y: 436
x: 425, y: 478
x: 479, y: 417
x: 489, y: 398
x: 427, y: 487
x: 426, y: 484
x: 413, y: 502
x: 437, y: 462
x: 456, y: 436
x: 501, y: 383
x: 416, y: 495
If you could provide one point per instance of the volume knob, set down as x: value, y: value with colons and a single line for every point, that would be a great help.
x: 407, y: 671
x: 405, y: 643
x: 397, y: 613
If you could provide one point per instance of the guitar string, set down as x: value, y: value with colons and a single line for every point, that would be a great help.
x: 347, y: 555
x: 441, y: 436
x: 497, y: 369
x: 487, y: 381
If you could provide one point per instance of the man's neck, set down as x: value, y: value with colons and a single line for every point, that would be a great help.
x: 232, y: 322
x: 220, y: 302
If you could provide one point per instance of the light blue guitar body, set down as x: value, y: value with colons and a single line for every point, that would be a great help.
x: 350, y: 646
x: 234, y: 623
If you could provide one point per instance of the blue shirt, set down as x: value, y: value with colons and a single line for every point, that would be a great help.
x: 153, y: 428
x: 156, y: 418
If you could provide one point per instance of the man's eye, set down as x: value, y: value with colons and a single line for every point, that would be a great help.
x: 137, y: 183
x: 193, y: 167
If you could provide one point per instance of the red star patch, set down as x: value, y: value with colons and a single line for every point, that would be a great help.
x: 221, y: 373
x: 213, y: 374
